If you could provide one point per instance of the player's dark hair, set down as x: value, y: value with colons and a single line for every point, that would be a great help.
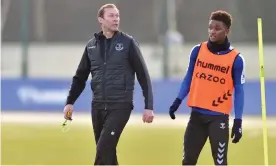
x: 222, y: 16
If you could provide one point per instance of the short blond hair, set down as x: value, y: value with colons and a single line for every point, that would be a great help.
x: 101, y: 10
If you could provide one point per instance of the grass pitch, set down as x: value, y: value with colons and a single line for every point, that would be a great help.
x: 35, y: 142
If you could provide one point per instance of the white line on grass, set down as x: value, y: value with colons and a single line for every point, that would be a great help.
x: 135, y: 119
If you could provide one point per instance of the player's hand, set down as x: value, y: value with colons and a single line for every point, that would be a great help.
x: 236, y: 130
x: 174, y: 107
x: 68, y: 111
x: 148, y: 116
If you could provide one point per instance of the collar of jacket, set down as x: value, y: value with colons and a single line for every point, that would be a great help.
x: 215, y: 47
x: 99, y: 34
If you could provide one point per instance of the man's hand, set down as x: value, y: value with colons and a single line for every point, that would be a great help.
x: 148, y: 116
x: 236, y: 130
x: 174, y: 107
x: 68, y: 111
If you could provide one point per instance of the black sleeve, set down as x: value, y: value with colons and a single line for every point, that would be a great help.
x: 139, y: 66
x: 79, y: 79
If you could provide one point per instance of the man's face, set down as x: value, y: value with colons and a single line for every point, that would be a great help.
x: 111, y: 19
x: 217, y: 31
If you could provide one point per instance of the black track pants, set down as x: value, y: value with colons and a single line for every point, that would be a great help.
x: 199, y: 128
x: 108, y: 126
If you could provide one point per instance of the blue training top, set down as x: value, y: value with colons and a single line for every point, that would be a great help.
x: 238, y: 75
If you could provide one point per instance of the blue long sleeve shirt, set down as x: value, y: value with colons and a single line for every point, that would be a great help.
x: 238, y: 75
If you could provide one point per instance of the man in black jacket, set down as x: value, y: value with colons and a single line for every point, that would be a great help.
x: 113, y: 58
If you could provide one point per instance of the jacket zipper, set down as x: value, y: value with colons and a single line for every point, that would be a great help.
x: 104, y: 75
x: 125, y: 83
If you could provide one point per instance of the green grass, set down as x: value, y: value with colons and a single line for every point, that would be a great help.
x: 46, y: 145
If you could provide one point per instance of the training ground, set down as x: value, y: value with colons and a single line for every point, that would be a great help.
x: 31, y: 138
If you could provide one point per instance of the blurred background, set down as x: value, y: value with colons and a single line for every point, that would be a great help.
x: 43, y: 41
